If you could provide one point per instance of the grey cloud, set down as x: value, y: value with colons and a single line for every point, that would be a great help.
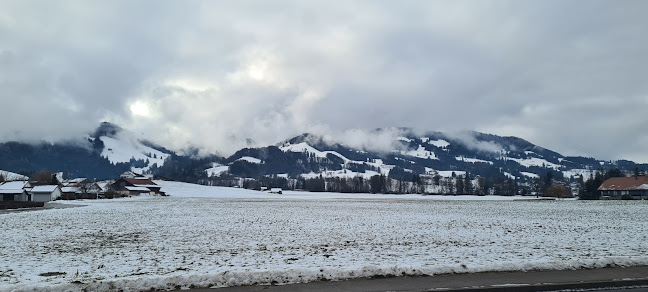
x: 216, y: 73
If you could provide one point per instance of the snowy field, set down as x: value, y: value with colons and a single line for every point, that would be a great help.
x: 212, y: 237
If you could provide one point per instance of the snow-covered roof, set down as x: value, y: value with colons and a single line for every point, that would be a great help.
x: 69, y: 189
x: 147, y: 186
x: 138, y: 189
x: 10, y: 191
x: 625, y: 183
x: 76, y: 180
x: 104, y: 185
x: 44, y: 189
x: 140, y: 182
x: 13, y: 185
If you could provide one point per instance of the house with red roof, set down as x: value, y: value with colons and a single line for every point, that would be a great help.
x: 136, y: 186
x: 617, y: 187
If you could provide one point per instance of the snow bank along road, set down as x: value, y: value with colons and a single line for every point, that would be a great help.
x: 229, y: 237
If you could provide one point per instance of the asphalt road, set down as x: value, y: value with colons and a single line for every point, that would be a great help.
x: 612, y: 278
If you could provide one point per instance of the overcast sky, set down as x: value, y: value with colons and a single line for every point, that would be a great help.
x: 566, y: 75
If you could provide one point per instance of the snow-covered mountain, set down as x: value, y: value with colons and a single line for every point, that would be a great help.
x: 433, y: 154
x: 121, y: 146
x: 11, y: 176
x: 104, y: 154
x: 111, y: 150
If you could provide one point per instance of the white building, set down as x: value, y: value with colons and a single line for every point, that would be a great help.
x: 45, y: 193
x: 14, y: 191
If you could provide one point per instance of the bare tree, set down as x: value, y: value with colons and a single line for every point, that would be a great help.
x: 558, y: 191
x: 42, y: 177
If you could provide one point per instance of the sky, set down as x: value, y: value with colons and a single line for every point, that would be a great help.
x: 566, y: 75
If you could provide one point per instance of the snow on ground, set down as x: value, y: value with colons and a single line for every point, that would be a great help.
x: 231, y: 237
x: 304, y: 147
x: 250, y: 159
x: 125, y: 146
x: 216, y: 169
x: 472, y: 160
x: 448, y: 173
x: 384, y: 168
x: 344, y: 173
x: 185, y: 190
x: 420, y: 153
x: 535, y: 162
x: 586, y: 173
x: 439, y: 143
x: 529, y: 174
x: 508, y: 175
x: 9, y: 176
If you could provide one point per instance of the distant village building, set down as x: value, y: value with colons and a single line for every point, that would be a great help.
x: 14, y: 191
x: 105, y: 186
x: 136, y: 186
x: 129, y: 174
x: 70, y: 193
x: 617, y: 187
x: 45, y: 193
x: 80, y: 188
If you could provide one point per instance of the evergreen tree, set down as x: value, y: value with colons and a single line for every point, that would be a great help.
x: 459, y: 183
x: 548, y: 181
x: 377, y: 184
x: 437, y: 180
x: 468, y: 187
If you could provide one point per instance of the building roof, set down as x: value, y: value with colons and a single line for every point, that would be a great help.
x: 14, y: 191
x: 13, y: 185
x: 140, y: 182
x: 44, y: 189
x: 69, y: 189
x: 139, y: 189
x: 625, y: 184
x: 105, y: 185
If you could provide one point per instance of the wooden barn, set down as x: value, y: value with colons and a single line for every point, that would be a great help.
x: 135, y: 186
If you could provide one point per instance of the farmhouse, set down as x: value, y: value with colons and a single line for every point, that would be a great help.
x: 45, y: 193
x: 616, y: 187
x: 70, y: 193
x: 81, y: 188
x: 14, y: 191
x: 135, y: 186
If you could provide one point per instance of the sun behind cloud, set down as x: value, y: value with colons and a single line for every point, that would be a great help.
x: 140, y: 109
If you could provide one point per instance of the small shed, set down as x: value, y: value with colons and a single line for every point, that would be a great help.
x: 45, y: 193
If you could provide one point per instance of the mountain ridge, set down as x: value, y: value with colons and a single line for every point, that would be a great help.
x: 110, y: 150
